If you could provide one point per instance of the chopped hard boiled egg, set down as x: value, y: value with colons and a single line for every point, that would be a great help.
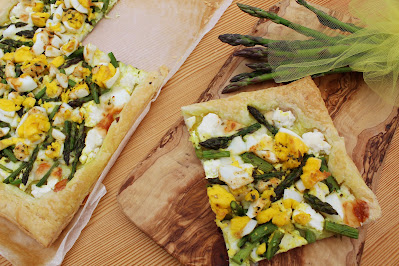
x: 211, y: 126
x: 236, y: 177
x: 316, y: 143
x: 211, y: 168
x: 316, y: 219
x: 22, y: 84
x: 291, y: 240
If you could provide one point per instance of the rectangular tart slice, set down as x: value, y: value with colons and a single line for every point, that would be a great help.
x: 278, y: 174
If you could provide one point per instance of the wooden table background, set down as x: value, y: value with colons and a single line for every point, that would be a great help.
x: 110, y: 238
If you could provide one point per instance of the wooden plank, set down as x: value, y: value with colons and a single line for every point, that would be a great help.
x: 170, y: 181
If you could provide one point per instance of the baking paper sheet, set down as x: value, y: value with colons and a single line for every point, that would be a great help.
x: 145, y: 34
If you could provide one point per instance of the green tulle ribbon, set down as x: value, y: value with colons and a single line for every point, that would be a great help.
x: 373, y: 50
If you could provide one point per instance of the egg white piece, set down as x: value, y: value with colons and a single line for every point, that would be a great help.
x: 93, y: 141
x: 4, y: 131
x: 11, y: 31
x: 78, y: 6
x: 300, y: 186
x: 56, y: 42
x: 291, y: 193
x: 211, y: 126
x: 249, y: 227
x: 211, y: 168
x: 22, y: 84
x: 316, y: 143
x: 10, y: 70
x: 57, y: 134
x: 283, y: 119
x: 190, y: 121
x: 319, y: 190
x: 237, y: 146
x: 316, y: 219
x: 236, y: 177
x: 52, y: 51
x: 57, y: 15
x: 88, y: 53
x: 39, y: 192
x: 62, y: 80
x: 334, y: 201
x: 41, y: 41
x: 110, y: 82
x: 290, y: 132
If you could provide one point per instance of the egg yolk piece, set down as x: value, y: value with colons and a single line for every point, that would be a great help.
x: 219, y: 199
x: 8, y: 105
x: 289, y: 149
x: 237, y: 225
x: 39, y: 19
x: 23, y: 54
x: 34, y: 126
x: 103, y: 73
x: 312, y: 174
x: 74, y: 19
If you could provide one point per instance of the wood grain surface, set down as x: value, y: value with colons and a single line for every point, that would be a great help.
x: 111, y: 239
x: 169, y: 182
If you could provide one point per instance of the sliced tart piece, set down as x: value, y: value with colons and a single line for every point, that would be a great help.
x: 278, y: 172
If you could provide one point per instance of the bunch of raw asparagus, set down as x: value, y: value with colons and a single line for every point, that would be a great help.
x: 290, y: 50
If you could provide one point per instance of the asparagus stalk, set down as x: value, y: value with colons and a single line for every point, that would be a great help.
x: 72, y: 139
x: 246, y: 40
x: 341, y: 229
x: 319, y: 205
x: 273, y: 244
x: 40, y: 94
x: 247, y: 75
x: 46, y: 176
x: 114, y: 62
x: 256, y: 161
x: 4, y: 168
x: 67, y: 150
x: 237, y: 209
x: 80, y: 144
x: 243, y: 253
x: 267, y: 176
x: 80, y: 101
x: 260, y: 66
x: 329, y: 181
x: 10, y: 155
x: 54, y: 112
x: 289, y: 180
x: 242, y: 241
x: 212, y: 154
x: 310, y: 236
x: 235, y: 86
x: 261, y: 231
x: 223, y: 142
x: 261, y: 119
x: 29, y: 166
x: 253, y: 53
x: 15, y: 173
x: 260, y: 13
x: 330, y: 21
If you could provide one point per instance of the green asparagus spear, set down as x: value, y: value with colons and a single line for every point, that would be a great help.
x: 10, y: 155
x: 267, y: 176
x: 261, y: 119
x: 260, y: 66
x: 40, y: 94
x: 260, y: 13
x: 259, y: 53
x: 242, y: 241
x: 273, y: 244
x: 328, y: 20
x: 257, y: 162
x: 72, y: 139
x: 114, y: 62
x: 16, y: 182
x: 15, y: 173
x: 289, y: 180
x: 78, y: 53
x: 105, y: 6
x: 261, y: 231
x: 46, y: 175
x: 71, y: 83
x: 319, y: 205
x: 212, y: 154
x: 80, y: 144
x: 329, y: 181
x: 67, y: 150
x: 4, y: 168
x: 341, y: 229
x: 29, y: 167
x: 243, y: 253
x: 94, y: 92
x: 310, y: 236
x: 80, y: 101
x: 246, y: 40
x: 237, y: 209
x: 223, y: 142
x: 235, y: 86
x: 241, y: 76
x: 54, y: 112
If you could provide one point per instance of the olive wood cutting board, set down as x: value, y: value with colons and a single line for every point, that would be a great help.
x: 165, y: 195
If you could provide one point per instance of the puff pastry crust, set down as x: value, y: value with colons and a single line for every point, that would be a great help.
x: 303, y: 98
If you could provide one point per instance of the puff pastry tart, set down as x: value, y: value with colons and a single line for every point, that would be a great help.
x: 64, y: 110
x: 278, y: 173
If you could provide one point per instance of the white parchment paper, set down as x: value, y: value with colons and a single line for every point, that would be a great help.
x: 145, y: 34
